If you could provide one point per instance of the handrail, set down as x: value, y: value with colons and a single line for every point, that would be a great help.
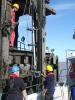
x: 21, y: 45
x: 34, y: 85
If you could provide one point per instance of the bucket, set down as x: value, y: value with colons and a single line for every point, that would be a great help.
x: 73, y: 93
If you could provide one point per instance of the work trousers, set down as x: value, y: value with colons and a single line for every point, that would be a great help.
x: 12, y: 38
x: 49, y: 96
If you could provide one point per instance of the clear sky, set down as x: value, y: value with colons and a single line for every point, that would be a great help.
x: 59, y: 27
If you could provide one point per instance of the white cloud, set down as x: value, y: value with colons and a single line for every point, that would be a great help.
x: 62, y: 8
x: 65, y: 6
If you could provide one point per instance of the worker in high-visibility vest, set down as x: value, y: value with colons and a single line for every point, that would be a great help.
x: 14, y: 9
x: 49, y: 83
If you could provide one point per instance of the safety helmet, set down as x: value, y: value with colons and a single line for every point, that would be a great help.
x: 13, y: 69
x: 49, y: 68
x: 16, y: 5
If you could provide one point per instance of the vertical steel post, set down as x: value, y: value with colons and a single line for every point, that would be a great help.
x: 40, y: 34
x: 0, y: 35
x: 3, y: 7
x: 2, y: 17
x: 4, y: 42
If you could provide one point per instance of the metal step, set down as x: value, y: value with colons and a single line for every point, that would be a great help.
x: 31, y: 29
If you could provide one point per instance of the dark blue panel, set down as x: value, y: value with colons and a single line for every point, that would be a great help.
x: 47, y: 1
x: 22, y: 1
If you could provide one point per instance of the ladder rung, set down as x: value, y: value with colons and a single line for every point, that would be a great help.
x: 30, y: 29
x: 31, y: 44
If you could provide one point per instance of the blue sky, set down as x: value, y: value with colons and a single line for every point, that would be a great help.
x: 59, y: 27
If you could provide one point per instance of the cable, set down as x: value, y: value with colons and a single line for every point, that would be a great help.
x: 24, y: 8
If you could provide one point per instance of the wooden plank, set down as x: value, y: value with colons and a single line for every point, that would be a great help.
x: 20, y: 53
x: 49, y: 10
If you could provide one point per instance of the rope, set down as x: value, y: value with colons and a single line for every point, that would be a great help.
x: 27, y: 21
x: 24, y: 8
x: 29, y: 6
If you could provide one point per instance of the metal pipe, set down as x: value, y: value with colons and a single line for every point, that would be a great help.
x: 33, y: 36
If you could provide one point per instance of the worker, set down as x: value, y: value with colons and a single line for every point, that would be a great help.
x: 13, y: 11
x: 15, y: 88
x: 49, y: 83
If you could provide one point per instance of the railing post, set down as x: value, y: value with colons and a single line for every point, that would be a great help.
x: 20, y: 45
